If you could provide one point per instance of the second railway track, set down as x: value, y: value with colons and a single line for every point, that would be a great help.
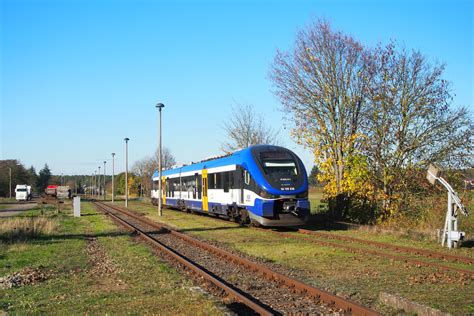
x: 252, y: 284
x: 397, y: 248
x: 307, y: 236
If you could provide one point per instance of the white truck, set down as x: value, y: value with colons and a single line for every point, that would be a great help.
x: 23, y: 192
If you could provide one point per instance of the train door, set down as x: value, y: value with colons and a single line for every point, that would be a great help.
x: 205, y: 201
x: 163, y: 189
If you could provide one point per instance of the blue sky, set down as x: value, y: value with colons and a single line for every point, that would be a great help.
x: 79, y: 76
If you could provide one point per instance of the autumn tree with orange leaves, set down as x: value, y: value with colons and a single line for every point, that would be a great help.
x: 321, y: 86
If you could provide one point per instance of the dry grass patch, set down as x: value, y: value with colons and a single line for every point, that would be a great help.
x: 22, y: 228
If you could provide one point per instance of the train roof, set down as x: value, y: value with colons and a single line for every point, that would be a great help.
x: 237, y: 158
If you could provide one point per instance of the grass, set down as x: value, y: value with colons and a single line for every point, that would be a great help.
x: 140, y: 283
x: 315, y: 196
x: 357, y: 276
x: 24, y: 228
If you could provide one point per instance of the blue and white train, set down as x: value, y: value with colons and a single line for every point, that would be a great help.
x: 263, y: 185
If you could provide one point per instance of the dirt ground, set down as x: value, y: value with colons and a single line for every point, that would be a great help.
x: 7, y: 210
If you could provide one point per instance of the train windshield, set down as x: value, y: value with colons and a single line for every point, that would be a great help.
x: 278, y: 163
x: 20, y: 190
x: 280, y: 167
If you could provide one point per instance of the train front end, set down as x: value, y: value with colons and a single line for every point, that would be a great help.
x: 280, y: 191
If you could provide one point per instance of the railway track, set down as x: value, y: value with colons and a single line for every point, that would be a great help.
x: 426, y: 254
x: 397, y: 248
x: 306, y: 235
x: 262, y: 290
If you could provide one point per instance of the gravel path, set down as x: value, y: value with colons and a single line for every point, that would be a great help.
x: 7, y: 210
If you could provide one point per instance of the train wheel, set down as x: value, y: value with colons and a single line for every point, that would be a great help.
x: 243, y: 217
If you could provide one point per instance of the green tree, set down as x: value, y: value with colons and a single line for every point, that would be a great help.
x: 19, y: 175
x: 43, y: 178
x: 313, y: 176
x: 33, y: 177
x: 132, y: 183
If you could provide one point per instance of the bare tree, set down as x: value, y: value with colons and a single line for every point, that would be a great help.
x: 167, y: 160
x: 321, y: 86
x: 145, y: 168
x: 373, y: 118
x: 410, y: 121
x: 246, y: 128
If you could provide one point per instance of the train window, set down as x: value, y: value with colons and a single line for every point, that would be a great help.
x: 219, y: 181
x: 211, y: 179
x: 198, y: 185
x: 278, y: 163
x: 225, y: 178
x: 283, y: 168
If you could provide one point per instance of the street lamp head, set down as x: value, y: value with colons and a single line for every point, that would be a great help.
x: 126, y: 139
x: 105, y: 162
x: 113, y: 154
x: 160, y: 106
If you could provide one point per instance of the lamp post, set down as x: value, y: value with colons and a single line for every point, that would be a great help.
x: 113, y: 171
x: 10, y: 182
x: 126, y: 170
x: 105, y: 191
x: 159, y: 106
x: 94, y: 191
x: 98, y: 184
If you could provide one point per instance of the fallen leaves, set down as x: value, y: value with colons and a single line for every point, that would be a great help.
x: 27, y: 276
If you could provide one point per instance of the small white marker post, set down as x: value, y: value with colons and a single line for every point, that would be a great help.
x: 77, y: 206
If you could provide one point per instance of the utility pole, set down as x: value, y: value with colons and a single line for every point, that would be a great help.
x: 159, y: 106
x: 98, y: 184
x: 113, y: 171
x: 126, y: 170
x: 105, y: 191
